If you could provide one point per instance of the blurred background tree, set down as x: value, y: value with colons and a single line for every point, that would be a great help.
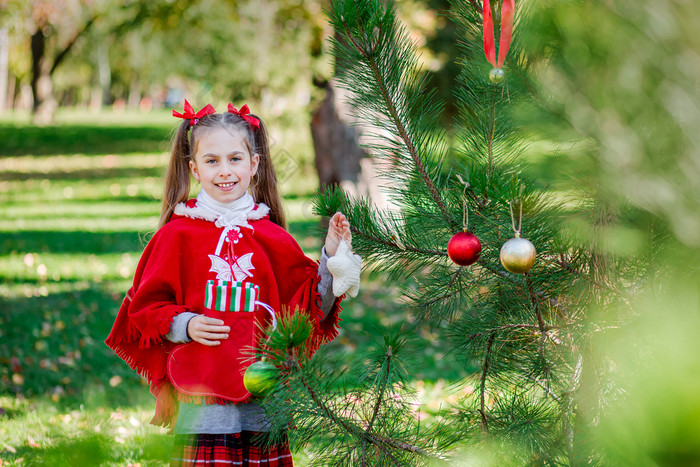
x: 152, y: 54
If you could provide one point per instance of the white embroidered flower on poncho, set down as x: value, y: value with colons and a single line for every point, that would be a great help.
x: 238, y: 271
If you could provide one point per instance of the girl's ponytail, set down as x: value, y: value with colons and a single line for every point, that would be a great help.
x: 177, y: 177
x: 264, y: 186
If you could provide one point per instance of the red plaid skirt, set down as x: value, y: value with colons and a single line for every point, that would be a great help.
x: 236, y: 449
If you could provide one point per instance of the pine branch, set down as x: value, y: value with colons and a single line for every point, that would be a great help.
x: 491, y: 130
x: 546, y: 388
x: 403, y: 446
x: 508, y: 327
x: 395, y: 246
x: 538, y: 312
x: 481, y: 262
x: 378, y: 404
x: 511, y: 278
x: 379, y: 441
x: 570, y: 405
x: 568, y: 267
x: 381, y: 391
x: 399, y: 124
x: 449, y: 286
x: 499, y: 273
x: 482, y: 387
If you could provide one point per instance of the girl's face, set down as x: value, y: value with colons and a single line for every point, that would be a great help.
x: 223, y: 164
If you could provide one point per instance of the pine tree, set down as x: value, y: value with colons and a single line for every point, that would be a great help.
x: 526, y: 334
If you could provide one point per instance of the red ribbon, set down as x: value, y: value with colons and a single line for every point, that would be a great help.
x: 191, y: 115
x: 244, y: 113
x: 507, y: 11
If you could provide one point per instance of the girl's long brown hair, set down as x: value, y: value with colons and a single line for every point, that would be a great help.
x: 177, y: 178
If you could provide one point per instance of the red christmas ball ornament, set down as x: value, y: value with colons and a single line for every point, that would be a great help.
x: 464, y: 248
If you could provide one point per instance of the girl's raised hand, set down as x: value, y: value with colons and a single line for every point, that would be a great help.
x: 207, y: 331
x: 338, y: 229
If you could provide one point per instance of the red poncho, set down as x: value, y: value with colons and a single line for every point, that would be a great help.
x: 171, y: 278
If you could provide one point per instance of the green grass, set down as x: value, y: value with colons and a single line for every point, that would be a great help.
x: 78, y: 201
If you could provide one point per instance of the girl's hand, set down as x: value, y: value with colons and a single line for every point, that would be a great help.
x: 338, y: 229
x: 207, y: 331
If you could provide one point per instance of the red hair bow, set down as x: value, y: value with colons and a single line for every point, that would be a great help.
x: 193, y: 117
x: 244, y: 113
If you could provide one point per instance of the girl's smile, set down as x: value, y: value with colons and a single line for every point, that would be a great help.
x: 223, y: 164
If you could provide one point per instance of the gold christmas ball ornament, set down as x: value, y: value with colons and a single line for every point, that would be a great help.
x: 497, y: 75
x: 518, y: 255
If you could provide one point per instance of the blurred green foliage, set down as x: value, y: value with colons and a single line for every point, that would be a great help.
x: 622, y: 107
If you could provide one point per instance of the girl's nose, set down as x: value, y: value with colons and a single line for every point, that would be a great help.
x: 225, y: 170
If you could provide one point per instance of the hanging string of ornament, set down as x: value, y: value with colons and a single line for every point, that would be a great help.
x: 518, y: 254
x: 497, y: 75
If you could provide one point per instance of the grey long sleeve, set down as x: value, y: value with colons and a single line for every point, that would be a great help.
x: 325, y: 285
x: 178, y: 328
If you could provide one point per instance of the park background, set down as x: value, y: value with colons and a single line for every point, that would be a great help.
x: 86, y: 89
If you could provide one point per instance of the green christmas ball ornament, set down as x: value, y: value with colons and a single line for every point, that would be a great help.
x: 260, y: 377
x: 497, y: 75
x: 518, y: 255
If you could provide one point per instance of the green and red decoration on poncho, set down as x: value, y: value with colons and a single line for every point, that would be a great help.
x: 222, y: 295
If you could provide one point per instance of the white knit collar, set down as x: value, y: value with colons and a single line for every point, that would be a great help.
x: 237, y: 213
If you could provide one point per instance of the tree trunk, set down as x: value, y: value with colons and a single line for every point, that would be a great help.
x: 13, y: 91
x: 339, y: 158
x: 337, y: 152
x: 44, y: 104
x: 134, y: 98
x: 104, y: 72
x: 4, y: 62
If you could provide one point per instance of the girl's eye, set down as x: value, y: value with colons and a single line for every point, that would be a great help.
x: 210, y: 161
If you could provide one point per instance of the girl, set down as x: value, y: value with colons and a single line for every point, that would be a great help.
x: 218, y: 268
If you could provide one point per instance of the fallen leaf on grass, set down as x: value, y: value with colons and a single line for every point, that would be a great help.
x: 10, y: 449
x: 117, y: 416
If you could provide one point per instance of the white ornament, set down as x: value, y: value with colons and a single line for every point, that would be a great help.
x: 345, y: 269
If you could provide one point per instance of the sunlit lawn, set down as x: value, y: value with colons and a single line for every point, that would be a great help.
x: 78, y: 201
